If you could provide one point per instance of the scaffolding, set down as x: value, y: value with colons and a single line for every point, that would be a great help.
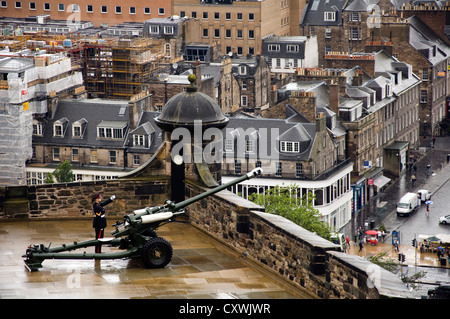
x: 119, y: 68
x: 113, y: 68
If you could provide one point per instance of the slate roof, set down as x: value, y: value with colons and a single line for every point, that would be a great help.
x: 319, y: 88
x: 283, y: 42
x: 284, y: 131
x: 148, y: 126
x: 360, y: 5
x: 425, y: 40
x: 314, y: 12
x: 91, y: 113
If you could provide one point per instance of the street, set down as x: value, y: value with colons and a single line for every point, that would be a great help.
x: 420, y: 223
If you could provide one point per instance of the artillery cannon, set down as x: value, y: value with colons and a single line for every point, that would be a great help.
x: 135, y: 236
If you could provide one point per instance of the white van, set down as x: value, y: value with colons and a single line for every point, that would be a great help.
x: 407, y: 204
x: 424, y: 194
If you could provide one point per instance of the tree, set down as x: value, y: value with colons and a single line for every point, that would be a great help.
x: 63, y: 172
x: 393, y: 266
x: 285, y: 201
x: 49, y: 179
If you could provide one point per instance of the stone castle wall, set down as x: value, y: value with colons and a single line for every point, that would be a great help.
x: 300, y: 257
x: 73, y: 200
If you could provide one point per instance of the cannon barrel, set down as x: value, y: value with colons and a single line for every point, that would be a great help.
x: 175, y: 207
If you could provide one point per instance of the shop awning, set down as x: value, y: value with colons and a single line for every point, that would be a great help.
x: 380, y: 181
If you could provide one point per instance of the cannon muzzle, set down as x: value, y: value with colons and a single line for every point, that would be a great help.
x: 255, y: 173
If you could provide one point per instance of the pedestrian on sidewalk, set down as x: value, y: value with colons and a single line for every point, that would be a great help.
x: 429, y: 169
x: 360, y: 245
x: 413, y: 179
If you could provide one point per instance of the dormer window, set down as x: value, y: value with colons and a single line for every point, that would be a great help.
x: 168, y: 30
x: 76, y: 131
x: 78, y: 128
x: 292, y: 48
x: 59, y: 127
x: 138, y: 140
x: 329, y: 16
x: 142, y: 136
x: 111, y: 129
x: 58, y: 130
x: 242, y: 70
x: 289, y: 147
x: 37, y: 128
x: 154, y: 29
x: 388, y: 90
x: 274, y: 47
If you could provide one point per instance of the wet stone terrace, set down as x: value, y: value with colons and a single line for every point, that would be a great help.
x: 201, y: 268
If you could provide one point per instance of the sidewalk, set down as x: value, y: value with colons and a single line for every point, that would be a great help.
x: 412, y: 258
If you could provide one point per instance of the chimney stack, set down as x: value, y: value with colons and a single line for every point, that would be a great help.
x: 334, y: 97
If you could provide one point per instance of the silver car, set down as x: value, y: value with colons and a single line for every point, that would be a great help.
x: 444, y: 220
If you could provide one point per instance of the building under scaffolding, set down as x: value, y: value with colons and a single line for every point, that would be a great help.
x: 120, y: 68
x: 27, y: 81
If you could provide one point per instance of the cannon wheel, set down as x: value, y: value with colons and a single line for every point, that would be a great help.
x: 157, y: 253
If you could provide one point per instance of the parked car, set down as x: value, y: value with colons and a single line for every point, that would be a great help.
x: 441, y: 292
x: 444, y: 220
x: 424, y: 194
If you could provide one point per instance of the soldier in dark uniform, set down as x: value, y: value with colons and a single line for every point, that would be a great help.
x: 99, y: 217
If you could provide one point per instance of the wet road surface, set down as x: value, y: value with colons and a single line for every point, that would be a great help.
x: 201, y: 268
